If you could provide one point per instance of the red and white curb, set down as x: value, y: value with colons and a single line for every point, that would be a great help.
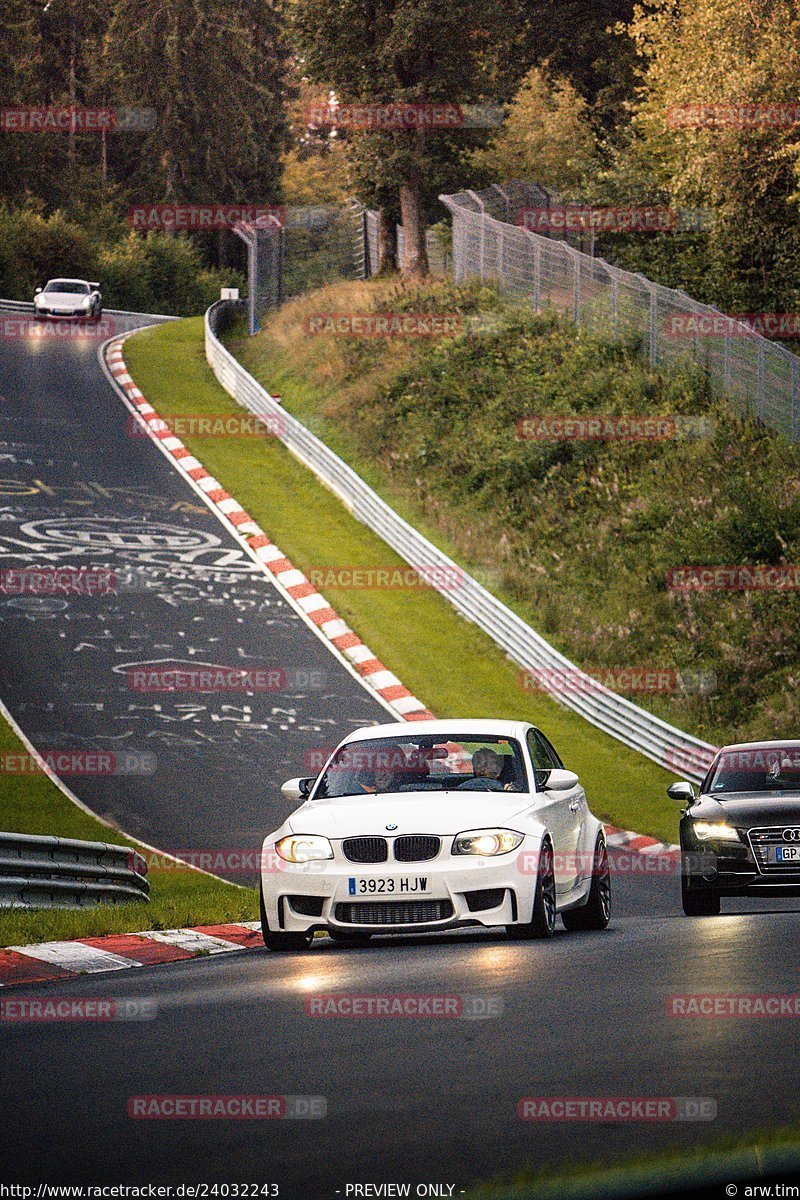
x: 116, y: 952
x: 300, y: 592
x: 624, y: 839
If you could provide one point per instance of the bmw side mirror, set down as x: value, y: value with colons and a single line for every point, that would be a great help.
x: 297, y: 789
x: 559, y: 780
x: 682, y: 792
x: 37, y: 292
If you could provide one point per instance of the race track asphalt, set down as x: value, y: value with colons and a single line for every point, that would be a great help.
x: 81, y: 489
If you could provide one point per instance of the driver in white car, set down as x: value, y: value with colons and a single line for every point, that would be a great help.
x: 487, y: 764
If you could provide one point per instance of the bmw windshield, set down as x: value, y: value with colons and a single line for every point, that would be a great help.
x: 429, y: 763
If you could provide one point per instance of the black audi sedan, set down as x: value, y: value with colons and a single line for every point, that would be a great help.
x: 740, y: 833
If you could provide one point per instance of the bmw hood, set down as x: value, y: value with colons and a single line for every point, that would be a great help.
x: 407, y: 812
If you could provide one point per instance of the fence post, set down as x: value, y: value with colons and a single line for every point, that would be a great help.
x: 576, y: 288
x: 653, y: 315
x: 727, y: 368
x: 537, y: 269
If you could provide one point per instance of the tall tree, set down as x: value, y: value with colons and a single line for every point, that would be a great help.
x: 217, y: 76
x: 716, y: 52
x: 403, y: 52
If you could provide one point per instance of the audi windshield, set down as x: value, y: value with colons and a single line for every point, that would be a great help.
x: 771, y: 768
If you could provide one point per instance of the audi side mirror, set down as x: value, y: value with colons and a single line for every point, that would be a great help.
x: 682, y: 793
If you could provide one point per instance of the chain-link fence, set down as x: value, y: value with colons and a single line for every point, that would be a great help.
x: 316, y: 244
x: 760, y: 376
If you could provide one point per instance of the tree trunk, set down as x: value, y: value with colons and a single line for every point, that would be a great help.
x: 73, y: 93
x: 387, y: 244
x: 415, y: 255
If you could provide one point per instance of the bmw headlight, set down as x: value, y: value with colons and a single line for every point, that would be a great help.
x: 715, y: 831
x: 486, y: 842
x: 304, y: 847
x: 87, y: 303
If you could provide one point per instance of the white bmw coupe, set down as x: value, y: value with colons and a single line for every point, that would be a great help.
x: 431, y: 825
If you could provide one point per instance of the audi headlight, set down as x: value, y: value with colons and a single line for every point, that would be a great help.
x: 715, y: 831
x: 304, y: 847
x: 486, y: 842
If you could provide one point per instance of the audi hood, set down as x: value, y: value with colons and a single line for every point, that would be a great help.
x: 749, y: 809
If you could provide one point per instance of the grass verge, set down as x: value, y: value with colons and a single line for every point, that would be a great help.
x: 31, y: 803
x: 449, y: 663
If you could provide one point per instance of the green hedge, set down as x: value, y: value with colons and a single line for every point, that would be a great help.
x: 151, y: 272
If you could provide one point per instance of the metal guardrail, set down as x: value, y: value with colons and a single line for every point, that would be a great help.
x: 54, y: 872
x: 26, y: 306
x: 679, y: 752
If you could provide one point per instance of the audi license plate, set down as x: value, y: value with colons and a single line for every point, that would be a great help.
x: 392, y: 885
x: 786, y: 853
